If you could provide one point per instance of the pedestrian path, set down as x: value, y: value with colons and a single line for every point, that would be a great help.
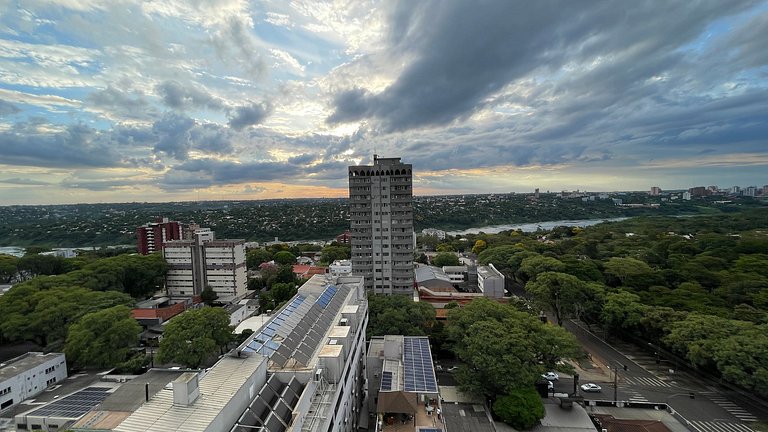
x: 648, y: 382
x: 635, y: 396
x: 735, y: 410
x: 718, y: 426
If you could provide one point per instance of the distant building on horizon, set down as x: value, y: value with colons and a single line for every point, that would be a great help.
x: 195, y: 264
x: 151, y: 237
x: 655, y: 191
x: 381, y: 219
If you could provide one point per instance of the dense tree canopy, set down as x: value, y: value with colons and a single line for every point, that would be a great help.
x: 398, y: 315
x: 501, y: 348
x: 102, y: 338
x: 443, y: 259
x: 194, y: 336
x: 695, y: 286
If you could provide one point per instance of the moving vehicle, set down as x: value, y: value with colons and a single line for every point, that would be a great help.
x: 591, y: 388
x: 550, y: 376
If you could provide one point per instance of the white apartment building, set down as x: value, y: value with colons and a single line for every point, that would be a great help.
x: 301, y: 371
x: 340, y: 268
x: 28, y: 375
x: 440, y: 234
x: 203, y: 261
x: 381, y: 218
x: 490, y: 281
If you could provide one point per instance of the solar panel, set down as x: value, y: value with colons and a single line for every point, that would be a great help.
x: 74, y: 405
x: 419, y: 376
x: 386, y: 381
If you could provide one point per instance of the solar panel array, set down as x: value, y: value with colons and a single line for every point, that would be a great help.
x: 74, y: 405
x: 419, y: 376
x: 386, y: 381
x: 301, y: 326
x: 264, y: 342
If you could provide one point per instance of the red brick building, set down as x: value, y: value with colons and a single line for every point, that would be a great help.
x: 153, y: 236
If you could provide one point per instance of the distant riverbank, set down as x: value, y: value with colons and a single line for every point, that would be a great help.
x: 533, y: 226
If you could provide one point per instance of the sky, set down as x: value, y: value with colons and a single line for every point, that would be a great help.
x: 149, y: 100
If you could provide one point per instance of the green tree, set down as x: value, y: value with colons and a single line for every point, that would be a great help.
x: 533, y: 266
x: 561, y: 293
x: 256, y: 257
x: 103, y: 338
x: 622, y: 311
x: 282, y: 292
x: 697, y: 337
x: 445, y: 247
x: 192, y: 337
x: 8, y: 267
x: 329, y: 254
x: 625, y: 269
x: 445, y: 259
x: 398, y: 315
x: 521, y: 408
x: 500, y: 347
x: 285, y: 258
x: 743, y: 358
x: 208, y: 295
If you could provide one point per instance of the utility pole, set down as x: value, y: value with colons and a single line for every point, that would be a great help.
x: 616, y: 366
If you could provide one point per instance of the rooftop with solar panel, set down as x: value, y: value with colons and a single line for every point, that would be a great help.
x: 300, y: 370
x: 402, y: 387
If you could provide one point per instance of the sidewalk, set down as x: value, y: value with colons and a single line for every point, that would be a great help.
x: 591, y: 369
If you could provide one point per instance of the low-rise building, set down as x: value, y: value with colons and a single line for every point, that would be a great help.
x: 457, y: 274
x: 402, y: 387
x: 302, y: 370
x: 340, y: 268
x: 490, y: 281
x: 28, y: 375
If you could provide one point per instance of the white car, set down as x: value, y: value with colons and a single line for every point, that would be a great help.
x: 591, y: 388
x: 550, y: 386
x: 550, y: 376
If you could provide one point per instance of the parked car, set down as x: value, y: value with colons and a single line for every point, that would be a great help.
x: 550, y: 376
x: 550, y: 386
x: 591, y: 388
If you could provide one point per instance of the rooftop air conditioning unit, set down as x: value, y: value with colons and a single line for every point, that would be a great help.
x: 344, y: 322
x: 318, y: 375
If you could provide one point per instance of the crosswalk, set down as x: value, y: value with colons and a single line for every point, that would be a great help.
x: 635, y: 396
x: 735, y: 410
x: 719, y: 426
x: 648, y: 382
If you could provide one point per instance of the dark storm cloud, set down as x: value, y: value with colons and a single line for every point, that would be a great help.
x: 76, y: 147
x: 128, y: 104
x: 177, y: 135
x: 178, y: 96
x: 249, y: 115
x: 465, y: 52
x: 7, y: 108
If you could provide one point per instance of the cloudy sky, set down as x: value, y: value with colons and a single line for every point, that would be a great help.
x: 150, y: 100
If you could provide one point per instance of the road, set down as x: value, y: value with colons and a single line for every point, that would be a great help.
x: 645, y: 380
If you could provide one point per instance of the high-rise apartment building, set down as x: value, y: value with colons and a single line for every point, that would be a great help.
x: 655, y: 191
x: 381, y: 223
x: 151, y: 237
x: 205, y: 261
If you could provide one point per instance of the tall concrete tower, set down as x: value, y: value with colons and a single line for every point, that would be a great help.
x: 381, y: 223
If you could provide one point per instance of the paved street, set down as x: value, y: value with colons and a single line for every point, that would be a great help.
x: 646, y: 380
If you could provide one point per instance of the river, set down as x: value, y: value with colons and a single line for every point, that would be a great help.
x: 533, y: 226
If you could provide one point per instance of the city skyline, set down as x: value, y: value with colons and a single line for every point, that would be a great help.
x: 165, y: 101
